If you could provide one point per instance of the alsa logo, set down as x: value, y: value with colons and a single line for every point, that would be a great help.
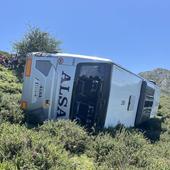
x: 63, y: 93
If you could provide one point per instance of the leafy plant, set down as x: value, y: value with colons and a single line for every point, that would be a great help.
x: 74, y: 138
x: 10, y: 109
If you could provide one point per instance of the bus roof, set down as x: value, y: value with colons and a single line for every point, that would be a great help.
x: 88, y: 57
x: 72, y: 56
x: 85, y: 57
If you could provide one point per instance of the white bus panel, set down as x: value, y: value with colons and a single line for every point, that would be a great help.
x: 123, y: 99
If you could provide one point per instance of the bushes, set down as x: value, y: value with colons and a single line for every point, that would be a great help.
x: 82, y: 163
x: 10, y: 109
x: 43, y: 154
x: 7, y: 75
x: 124, y: 150
x: 58, y: 145
x: 12, y: 141
x: 66, y: 145
x: 12, y: 88
x: 8, y: 166
x: 73, y: 137
x: 10, y: 94
x: 164, y: 108
x: 29, y: 149
x: 33, y: 149
x: 9, y: 82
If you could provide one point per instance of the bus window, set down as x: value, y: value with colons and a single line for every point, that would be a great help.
x: 90, y: 94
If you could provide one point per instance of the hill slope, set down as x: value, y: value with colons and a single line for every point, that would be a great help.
x: 66, y: 145
x: 3, y: 53
x: 161, y: 77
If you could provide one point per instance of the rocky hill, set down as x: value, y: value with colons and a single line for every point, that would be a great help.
x: 161, y: 77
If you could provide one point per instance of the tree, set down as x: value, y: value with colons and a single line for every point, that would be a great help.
x: 35, y: 40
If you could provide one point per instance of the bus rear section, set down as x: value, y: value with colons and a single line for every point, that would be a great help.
x: 148, y: 103
x: 37, y: 94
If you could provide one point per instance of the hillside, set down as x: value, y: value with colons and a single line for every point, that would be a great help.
x: 161, y: 77
x: 3, y: 53
x: 65, y: 145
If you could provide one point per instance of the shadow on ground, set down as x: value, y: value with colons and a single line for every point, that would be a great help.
x: 152, y: 129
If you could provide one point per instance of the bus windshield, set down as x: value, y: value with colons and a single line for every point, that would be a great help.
x: 90, y: 94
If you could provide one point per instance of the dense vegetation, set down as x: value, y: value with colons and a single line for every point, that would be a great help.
x: 66, y: 145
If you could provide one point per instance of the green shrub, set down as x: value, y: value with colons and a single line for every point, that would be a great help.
x: 9, y: 82
x: 74, y: 138
x: 126, y: 149
x: 10, y: 108
x: 10, y: 94
x: 29, y: 149
x: 11, y: 88
x: 43, y: 154
x: 82, y: 163
x: 7, y: 75
x: 8, y: 165
x: 13, y: 140
x: 164, y: 110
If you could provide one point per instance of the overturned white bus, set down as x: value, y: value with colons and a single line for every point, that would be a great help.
x: 93, y: 91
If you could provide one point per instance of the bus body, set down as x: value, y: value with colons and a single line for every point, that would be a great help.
x: 91, y: 90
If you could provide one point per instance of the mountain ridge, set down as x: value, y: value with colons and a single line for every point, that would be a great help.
x: 162, y: 78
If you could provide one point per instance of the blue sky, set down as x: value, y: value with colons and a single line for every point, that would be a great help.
x: 133, y: 33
